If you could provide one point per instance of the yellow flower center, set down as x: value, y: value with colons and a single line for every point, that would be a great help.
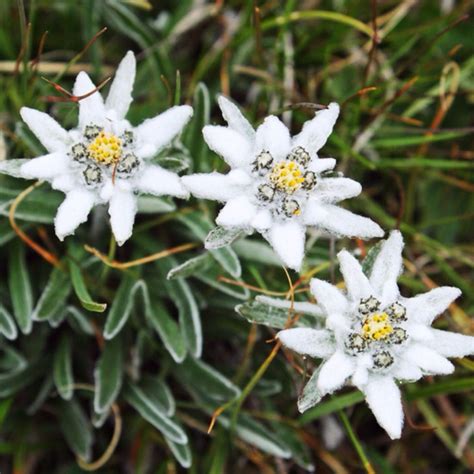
x: 106, y: 148
x: 286, y: 176
x: 377, y: 326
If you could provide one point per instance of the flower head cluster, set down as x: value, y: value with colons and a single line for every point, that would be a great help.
x: 374, y: 336
x: 105, y: 159
x: 277, y: 184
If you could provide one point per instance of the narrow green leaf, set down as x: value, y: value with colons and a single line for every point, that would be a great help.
x: 76, y: 428
x: 13, y: 382
x: 157, y: 391
x: 257, y: 435
x: 7, y: 324
x: 78, y: 282
x: 62, y: 368
x: 420, y: 162
x: 193, y: 134
x: 54, y: 295
x: 121, y: 307
x: 108, y: 375
x: 196, y: 373
x: 221, y: 237
x: 167, y: 329
x: 20, y: 287
x: 225, y: 256
x: 182, y: 453
x: 154, y: 414
x: 190, y: 267
x: 261, y: 313
x: 154, y: 205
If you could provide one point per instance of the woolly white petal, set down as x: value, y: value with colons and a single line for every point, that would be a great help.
x: 361, y: 373
x: 233, y: 116
x: 73, y: 211
x: 419, y: 332
x: 335, y: 371
x: 158, y: 181
x: 387, y: 267
x: 237, y: 212
x: 91, y: 109
x: 316, y: 131
x: 328, y: 296
x: 216, y: 186
x: 318, y: 165
x: 383, y: 397
x: 51, y: 135
x: 425, y: 307
x: 262, y: 221
x: 273, y: 136
x: 122, y: 210
x: 287, y: 239
x: 64, y: 182
x: 357, y: 283
x: 428, y: 360
x: 407, y: 371
x: 120, y: 94
x: 46, y: 167
x: 157, y: 132
x: 450, y: 344
x: 340, y: 222
x: 312, y: 342
x: 332, y: 190
x: 231, y: 145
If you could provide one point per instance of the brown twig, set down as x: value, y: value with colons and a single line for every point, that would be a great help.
x: 140, y: 261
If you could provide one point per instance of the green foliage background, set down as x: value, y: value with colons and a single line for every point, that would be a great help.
x: 169, y: 351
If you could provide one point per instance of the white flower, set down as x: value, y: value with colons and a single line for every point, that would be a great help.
x: 277, y: 184
x: 374, y: 336
x: 105, y: 159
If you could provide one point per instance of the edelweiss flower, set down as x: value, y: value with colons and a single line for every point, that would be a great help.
x: 375, y: 336
x: 277, y: 184
x: 105, y: 159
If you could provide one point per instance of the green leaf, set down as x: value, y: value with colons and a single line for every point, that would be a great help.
x: 13, y: 382
x: 157, y: 390
x: 154, y: 414
x: 154, y: 205
x: 122, y: 306
x: 369, y: 260
x: 108, y: 375
x: 193, y: 133
x: 78, y: 282
x: 311, y: 395
x: 260, y: 312
x: 336, y: 403
x: 76, y: 429
x: 221, y: 237
x: 183, y: 298
x: 167, y: 329
x: 54, y: 295
x: 257, y: 435
x: 7, y: 324
x: 20, y: 287
x: 62, y: 369
x: 182, y: 453
x: 196, y: 373
x: 425, y: 163
x: 225, y: 256
x: 12, y: 167
x: 190, y: 267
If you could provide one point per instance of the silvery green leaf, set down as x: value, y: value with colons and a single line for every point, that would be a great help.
x: 221, y: 237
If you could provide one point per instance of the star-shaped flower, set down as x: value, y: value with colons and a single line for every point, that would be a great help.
x: 105, y: 159
x: 375, y: 337
x: 277, y: 184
